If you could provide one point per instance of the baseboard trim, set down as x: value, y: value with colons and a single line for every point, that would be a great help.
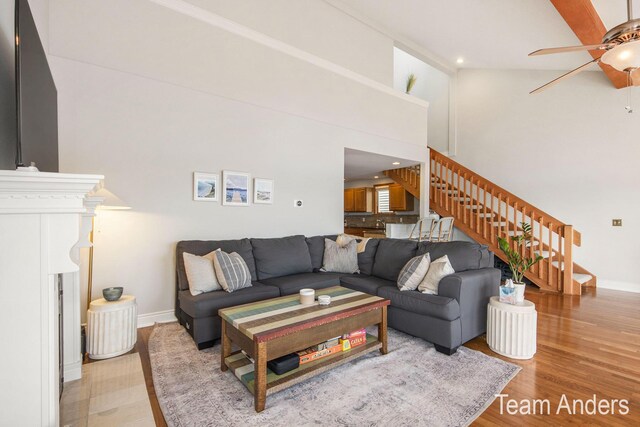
x: 72, y: 371
x: 149, y: 319
x: 618, y: 286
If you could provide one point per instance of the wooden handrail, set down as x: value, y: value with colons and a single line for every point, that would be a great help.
x: 435, y: 155
x: 486, y: 211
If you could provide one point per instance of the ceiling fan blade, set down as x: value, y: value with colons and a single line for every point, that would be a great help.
x: 571, y: 49
x: 564, y: 76
x: 635, y: 77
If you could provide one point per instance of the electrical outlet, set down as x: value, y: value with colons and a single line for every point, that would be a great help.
x: 298, y: 203
x: 616, y: 222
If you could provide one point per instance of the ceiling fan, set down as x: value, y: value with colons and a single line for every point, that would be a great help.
x: 622, y: 51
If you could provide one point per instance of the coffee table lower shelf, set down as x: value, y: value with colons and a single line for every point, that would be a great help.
x: 242, y: 367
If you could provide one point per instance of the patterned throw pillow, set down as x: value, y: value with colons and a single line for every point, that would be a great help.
x: 200, y: 273
x: 437, y: 270
x: 231, y: 270
x: 413, y: 272
x: 340, y: 259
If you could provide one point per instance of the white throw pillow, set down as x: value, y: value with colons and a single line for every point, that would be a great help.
x: 437, y: 270
x: 343, y: 240
x: 200, y: 273
x: 413, y: 272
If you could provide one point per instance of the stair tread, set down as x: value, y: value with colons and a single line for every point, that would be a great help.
x: 544, y: 254
x: 582, y: 278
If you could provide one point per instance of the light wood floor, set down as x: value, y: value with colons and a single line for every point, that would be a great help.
x: 586, y: 346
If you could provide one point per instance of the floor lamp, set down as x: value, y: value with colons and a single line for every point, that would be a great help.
x: 109, y: 202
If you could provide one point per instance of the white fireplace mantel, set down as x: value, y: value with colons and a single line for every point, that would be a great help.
x: 40, y: 222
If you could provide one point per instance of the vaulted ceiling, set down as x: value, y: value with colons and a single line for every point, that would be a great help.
x: 487, y: 33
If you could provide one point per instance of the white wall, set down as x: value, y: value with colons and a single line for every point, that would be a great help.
x: 147, y: 96
x: 572, y: 151
x: 432, y: 85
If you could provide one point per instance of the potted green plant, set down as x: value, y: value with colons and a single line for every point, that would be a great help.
x: 518, y: 263
x: 410, y: 82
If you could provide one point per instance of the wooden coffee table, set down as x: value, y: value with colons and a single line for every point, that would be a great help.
x: 270, y: 329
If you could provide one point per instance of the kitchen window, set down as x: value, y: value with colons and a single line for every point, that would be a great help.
x: 382, y: 198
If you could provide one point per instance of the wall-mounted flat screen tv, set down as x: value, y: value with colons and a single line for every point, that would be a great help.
x: 28, y: 95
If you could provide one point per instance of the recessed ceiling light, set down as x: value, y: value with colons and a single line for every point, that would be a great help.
x: 395, y: 163
x: 460, y: 60
x: 375, y: 177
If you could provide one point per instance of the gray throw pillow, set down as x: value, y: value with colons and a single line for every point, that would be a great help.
x: 200, y: 273
x: 231, y: 271
x: 340, y: 259
x: 413, y: 272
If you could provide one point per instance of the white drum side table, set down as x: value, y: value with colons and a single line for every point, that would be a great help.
x: 511, y: 328
x: 111, y: 327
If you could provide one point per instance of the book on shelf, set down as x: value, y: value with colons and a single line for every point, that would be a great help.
x: 311, y: 354
x: 353, y: 339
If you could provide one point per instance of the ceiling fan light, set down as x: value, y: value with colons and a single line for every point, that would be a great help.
x: 623, y: 57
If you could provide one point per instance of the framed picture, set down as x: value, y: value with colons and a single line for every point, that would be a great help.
x: 205, y: 187
x: 236, y: 187
x: 263, y: 191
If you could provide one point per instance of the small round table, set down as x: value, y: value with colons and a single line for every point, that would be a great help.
x: 111, y: 327
x: 511, y: 328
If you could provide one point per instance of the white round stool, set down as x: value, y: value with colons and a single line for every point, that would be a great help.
x: 111, y: 327
x: 511, y: 328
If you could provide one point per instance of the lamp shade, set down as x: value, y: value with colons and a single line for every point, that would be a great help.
x: 110, y: 200
x: 623, y: 57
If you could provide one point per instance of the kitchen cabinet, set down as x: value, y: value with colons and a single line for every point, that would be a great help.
x: 358, y: 199
x: 349, y: 200
x: 399, y: 198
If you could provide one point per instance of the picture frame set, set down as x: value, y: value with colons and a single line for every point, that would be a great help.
x: 235, y: 188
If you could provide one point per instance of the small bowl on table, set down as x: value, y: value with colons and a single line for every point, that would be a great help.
x: 113, y: 293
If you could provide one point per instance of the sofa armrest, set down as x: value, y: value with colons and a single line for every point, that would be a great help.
x: 472, y: 289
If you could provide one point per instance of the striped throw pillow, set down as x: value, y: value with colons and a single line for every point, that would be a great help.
x: 231, y: 271
x: 413, y: 272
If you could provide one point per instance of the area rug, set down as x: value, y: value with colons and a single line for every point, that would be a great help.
x: 411, y: 385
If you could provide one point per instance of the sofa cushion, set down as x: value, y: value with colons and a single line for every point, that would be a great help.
x: 281, y: 256
x: 206, y: 305
x: 462, y: 255
x: 202, y: 247
x: 416, y: 302
x: 316, y: 251
x: 366, y: 258
x: 366, y: 284
x: 391, y: 256
x: 289, y: 285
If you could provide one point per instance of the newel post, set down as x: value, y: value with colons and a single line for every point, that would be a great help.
x: 568, y: 285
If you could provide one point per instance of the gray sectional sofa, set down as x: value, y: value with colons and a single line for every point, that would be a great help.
x: 283, y: 266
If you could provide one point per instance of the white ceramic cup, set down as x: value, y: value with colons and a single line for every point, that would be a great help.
x: 307, y: 296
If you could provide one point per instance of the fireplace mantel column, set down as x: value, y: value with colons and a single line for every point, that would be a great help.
x: 39, y: 227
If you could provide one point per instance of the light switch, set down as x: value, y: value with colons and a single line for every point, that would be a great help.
x: 616, y: 223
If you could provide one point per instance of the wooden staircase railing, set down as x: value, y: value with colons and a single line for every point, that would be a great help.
x: 408, y: 177
x: 484, y: 211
